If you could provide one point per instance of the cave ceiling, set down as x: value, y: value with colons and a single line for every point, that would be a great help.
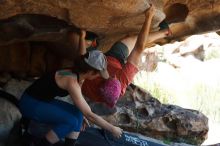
x: 50, y: 20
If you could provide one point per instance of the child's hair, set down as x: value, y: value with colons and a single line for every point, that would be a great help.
x: 111, y: 90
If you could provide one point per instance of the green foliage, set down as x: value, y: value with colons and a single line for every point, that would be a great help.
x: 151, y: 84
x: 196, y: 94
x: 212, y: 53
x: 206, y: 99
x: 159, y: 93
x: 167, y: 141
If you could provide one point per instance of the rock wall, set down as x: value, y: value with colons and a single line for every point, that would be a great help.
x: 192, y: 17
x: 26, y: 24
x: 113, y: 19
x: 28, y: 28
x: 9, y: 117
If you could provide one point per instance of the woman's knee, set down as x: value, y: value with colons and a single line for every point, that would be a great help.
x: 74, y: 122
x: 79, y: 116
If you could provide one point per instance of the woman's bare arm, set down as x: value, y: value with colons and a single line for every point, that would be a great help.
x: 75, y: 92
x: 70, y: 84
x: 82, y: 42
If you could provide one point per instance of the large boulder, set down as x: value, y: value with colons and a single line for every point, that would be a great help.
x: 139, y: 112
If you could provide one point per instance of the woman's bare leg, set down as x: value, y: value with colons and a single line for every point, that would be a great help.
x: 130, y: 41
x: 142, y: 38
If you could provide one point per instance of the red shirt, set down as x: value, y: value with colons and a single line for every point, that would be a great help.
x: 124, y: 74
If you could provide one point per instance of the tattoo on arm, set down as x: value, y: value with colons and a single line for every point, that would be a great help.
x: 65, y: 73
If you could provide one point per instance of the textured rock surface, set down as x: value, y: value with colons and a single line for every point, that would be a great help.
x: 90, y: 14
x: 9, y: 116
x: 139, y: 112
x: 16, y: 87
x: 115, y: 18
x: 42, y: 27
x: 201, y: 16
x: 163, y: 121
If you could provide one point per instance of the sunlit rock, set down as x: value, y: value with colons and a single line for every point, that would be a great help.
x: 139, y: 112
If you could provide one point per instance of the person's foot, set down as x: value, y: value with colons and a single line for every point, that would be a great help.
x: 70, y: 142
x: 42, y: 142
x: 60, y: 143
